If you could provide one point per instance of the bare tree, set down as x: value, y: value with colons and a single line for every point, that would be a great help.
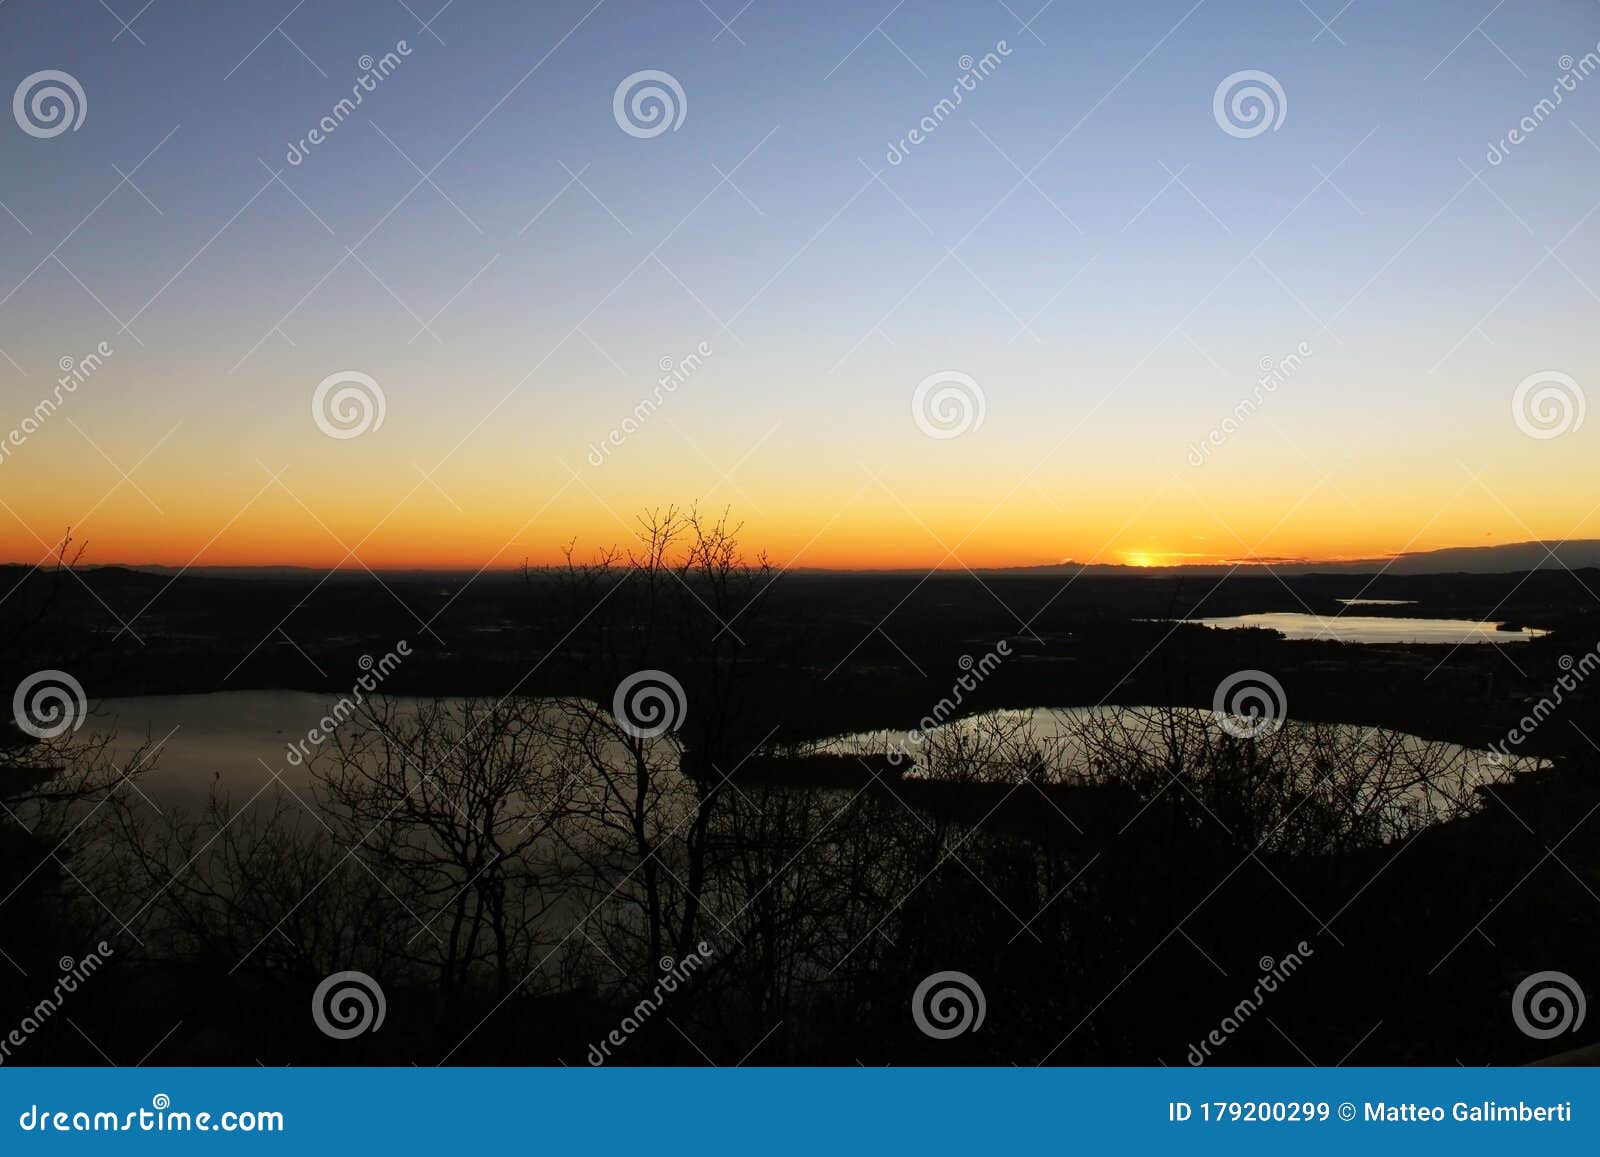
x: 686, y: 603
x: 453, y: 805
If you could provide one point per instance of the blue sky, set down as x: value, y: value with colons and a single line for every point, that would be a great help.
x: 1080, y: 237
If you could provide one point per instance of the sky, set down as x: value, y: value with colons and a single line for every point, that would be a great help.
x: 1088, y: 259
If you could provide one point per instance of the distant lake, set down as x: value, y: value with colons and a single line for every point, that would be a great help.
x: 236, y: 742
x: 231, y: 743
x: 1080, y: 737
x: 1377, y: 602
x: 1375, y: 628
x: 232, y: 740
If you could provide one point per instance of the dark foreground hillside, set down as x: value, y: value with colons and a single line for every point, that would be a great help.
x: 519, y: 872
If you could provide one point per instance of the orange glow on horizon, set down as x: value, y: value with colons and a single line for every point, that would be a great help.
x: 350, y: 506
x: 281, y: 533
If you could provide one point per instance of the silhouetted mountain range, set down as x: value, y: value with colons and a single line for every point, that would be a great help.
x: 1508, y: 558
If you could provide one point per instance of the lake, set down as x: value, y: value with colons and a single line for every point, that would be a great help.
x: 237, y: 741
x: 1375, y: 628
x: 1081, y: 736
x: 233, y: 740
